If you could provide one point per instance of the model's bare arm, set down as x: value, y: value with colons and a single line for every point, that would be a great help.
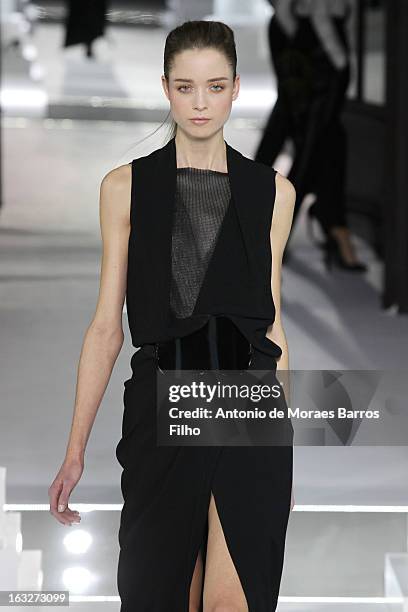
x: 280, y: 227
x: 321, y: 19
x: 351, y: 26
x: 285, y: 16
x: 351, y: 31
x: 103, y: 338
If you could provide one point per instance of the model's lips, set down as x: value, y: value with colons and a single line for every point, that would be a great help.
x: 199, y: 119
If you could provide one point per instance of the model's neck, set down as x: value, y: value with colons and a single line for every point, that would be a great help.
x: 207, y: 153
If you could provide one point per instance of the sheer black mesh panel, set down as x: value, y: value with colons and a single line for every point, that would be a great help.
x: 202, y: 198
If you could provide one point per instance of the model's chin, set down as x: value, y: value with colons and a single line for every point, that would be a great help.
x: 197, y: 131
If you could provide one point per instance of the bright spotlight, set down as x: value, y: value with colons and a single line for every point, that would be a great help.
x: 77, y: 541
x: 76, y: 579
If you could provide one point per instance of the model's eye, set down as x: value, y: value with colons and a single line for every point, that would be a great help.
x: 182, y: 88
x: 220, y: 87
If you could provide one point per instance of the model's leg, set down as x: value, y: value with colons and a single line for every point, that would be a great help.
x: 222, y: 586
x: 330, y: 177
x: 276, y: 128
x: 196, y: 585
x: 274, y: 135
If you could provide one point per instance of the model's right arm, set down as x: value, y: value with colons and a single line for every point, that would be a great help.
x: 325, y: 30
x: 283, y: 12
x: 103, y: 338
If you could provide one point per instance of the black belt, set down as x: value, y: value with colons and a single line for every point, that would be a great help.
x: 218, y: 345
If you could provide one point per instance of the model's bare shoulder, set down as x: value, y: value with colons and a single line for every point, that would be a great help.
x: 285, y: 191
x: 117, y: 180
x: 283, y: 210
x: 115, y: 192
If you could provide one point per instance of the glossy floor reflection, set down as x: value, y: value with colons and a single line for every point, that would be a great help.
x: 346, y: 553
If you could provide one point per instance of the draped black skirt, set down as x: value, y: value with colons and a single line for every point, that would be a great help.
x: 167, y: 489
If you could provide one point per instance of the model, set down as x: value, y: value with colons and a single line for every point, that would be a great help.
x: 193, y: 236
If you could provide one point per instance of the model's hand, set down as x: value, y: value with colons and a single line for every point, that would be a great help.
x: 339, y: 60
x: 60, y: 490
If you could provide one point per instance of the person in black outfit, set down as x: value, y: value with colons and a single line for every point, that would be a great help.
x: 204, y: 519
x: 281, y: 30
x: 320, y: 72
x: 84, y: 23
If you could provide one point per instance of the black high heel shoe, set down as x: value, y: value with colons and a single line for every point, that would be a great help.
x: 332, y: 255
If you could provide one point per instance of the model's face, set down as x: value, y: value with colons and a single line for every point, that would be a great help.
x: 201, y: 84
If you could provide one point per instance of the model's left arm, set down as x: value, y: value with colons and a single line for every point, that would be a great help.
x: 282, y: 217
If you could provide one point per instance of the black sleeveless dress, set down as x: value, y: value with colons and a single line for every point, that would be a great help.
x: 167, y: 489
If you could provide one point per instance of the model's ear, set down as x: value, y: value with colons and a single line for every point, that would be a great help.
x: 165, y: 86
x: 236, y: 87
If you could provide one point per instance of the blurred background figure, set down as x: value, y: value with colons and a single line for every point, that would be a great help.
x: 281, y: 32
x: 325, y: 37
x: 85, y: 22
x: 313, y: 69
